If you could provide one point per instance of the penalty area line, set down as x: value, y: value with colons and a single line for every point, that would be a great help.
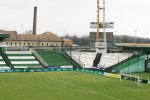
x: 91, y: 91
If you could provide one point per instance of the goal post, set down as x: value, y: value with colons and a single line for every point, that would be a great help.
x: 129, y: 77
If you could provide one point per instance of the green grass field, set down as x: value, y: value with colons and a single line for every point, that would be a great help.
x: 68, y: 85
x: 142, y: 75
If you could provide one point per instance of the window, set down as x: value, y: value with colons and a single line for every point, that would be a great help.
x: 47, y: 44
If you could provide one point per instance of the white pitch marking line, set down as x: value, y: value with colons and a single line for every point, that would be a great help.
x: 85, y: 89
x: 65, y: 85
x: 121, y: 86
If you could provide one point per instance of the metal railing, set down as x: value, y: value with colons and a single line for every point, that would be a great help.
x: 39, y: 58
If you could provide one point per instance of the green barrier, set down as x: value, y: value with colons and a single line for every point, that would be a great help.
x: 51, y: 69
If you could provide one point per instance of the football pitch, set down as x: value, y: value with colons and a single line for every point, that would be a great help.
x: 68, y: 85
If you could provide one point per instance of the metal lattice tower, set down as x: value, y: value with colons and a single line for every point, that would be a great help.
x: 98, y: 23
x: 104, y: 26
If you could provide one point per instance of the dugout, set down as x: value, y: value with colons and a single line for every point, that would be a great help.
x: 142, y: 53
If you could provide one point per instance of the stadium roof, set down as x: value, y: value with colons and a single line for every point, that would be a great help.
x: 133, y: 45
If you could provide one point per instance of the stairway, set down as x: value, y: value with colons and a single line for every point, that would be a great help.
x: 97, y: 59
x: 7, y: 61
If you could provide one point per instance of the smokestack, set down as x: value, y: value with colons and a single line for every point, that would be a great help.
x: 34, y: 20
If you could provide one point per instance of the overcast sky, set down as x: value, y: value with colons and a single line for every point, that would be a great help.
x: 74, y: 16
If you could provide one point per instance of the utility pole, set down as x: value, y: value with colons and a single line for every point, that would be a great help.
x: 135, y: 31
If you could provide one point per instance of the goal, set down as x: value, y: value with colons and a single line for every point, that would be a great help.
x: 129, y: 77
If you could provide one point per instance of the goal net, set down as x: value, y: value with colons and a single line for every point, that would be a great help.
x: 129, y: 77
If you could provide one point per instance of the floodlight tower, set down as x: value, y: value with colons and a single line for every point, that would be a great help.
x: 101, y: 25
x: 104, y: 27
x: 98, y: 22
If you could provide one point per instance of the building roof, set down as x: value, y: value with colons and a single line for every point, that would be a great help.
x: 45, y: 37
x: 48, y: 36
x: 68, y: 42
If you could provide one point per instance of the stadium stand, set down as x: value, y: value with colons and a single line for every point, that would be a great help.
x: 38, y: 57
x: 104, y: 60
x: 85, y: 59
x: 22, y: 59
x: 97, y: 59
x: 133, y: 64
x: 53, y: 58
x: 110, y: 59
x: 7, y: 61
x: 2, y: 62
x: 73, y: 62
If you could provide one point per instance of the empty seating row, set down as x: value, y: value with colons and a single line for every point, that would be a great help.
x: 110, y: 59
x: 22, y: 59
x: 2, y: 62
x: 85, y: 59
x: 53, y: 58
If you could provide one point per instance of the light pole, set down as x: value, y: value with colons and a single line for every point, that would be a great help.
x: 22, y: 37
x: 115, y: 38
x: 4, y: 43
x: 135, y: 31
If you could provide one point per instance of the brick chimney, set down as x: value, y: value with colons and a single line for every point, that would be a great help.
x: 34, y: 20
